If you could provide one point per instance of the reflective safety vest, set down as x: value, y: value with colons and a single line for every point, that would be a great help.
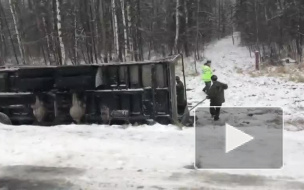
x: 206, y: 73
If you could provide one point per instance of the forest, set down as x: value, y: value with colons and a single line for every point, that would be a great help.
x: 273, y: 27
x: 60, y: 32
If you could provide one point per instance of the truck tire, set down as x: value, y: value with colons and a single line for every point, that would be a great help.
x: 4, y: 119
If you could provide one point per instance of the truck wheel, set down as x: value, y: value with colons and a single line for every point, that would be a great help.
x: 4, y: 119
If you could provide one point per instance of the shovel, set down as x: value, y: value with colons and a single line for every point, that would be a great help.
x: 185, y: 116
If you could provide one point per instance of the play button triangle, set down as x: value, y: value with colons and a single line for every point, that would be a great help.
x: 235, y: 138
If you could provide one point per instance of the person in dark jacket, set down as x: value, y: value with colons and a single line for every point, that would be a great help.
x: 216, y: 95
x: 180, y: 93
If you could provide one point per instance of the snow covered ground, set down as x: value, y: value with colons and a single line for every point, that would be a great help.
x: 247, y: 91
x: 149, y: 157
x: 153, y: 157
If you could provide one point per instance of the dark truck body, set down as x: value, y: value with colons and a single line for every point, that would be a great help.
x: 107, y: 93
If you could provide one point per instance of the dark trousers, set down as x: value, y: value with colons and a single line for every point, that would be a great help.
x: 207, y: 86
x: 215, y: 109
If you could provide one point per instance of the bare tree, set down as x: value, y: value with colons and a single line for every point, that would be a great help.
x: 115, y: 30
x: 273, y: 27
x: 9, y: 33
x: 103, y: 29
x: 197, y: 31
x: 129, y: 26
x: 21, y: 50
x: 75, y: 36
x: 177, y: 27
x: 55, y: 32
x: 59, y: 33
x: 126, y: 48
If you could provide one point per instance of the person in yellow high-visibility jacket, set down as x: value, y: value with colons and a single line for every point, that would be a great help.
x: 207, y: 73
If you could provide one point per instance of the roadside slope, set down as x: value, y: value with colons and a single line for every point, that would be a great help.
x: 246, y: 91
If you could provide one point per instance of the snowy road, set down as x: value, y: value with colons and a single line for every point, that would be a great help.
x: 98, y: 157
x: 244, y: 90
x: 151, y: 157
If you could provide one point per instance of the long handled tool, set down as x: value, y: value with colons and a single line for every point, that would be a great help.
x: 185, y: 116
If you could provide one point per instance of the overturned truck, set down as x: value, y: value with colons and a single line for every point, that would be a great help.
x: 112, y: 93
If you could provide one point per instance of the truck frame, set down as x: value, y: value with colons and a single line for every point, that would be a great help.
x: 110, y: 93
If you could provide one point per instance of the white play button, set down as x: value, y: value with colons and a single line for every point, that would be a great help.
x: 235, y: 138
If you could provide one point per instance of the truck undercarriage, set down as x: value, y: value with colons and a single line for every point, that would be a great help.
x: 115, y: 93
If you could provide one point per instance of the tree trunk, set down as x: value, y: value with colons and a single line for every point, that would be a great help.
x: 48, y: 41
x: 197, y: 57
x: 21, y: 51
x: 219, y: 19
x: 177, y: 25
x: 115, y: 28
x: 224, y: 20
x: 130, y: 26
x: 9, y: 33
x: 87, y: 30
x: 92, y: 32
x: 186, y: 28
x: 257, y: 26
x: 59, y: 33
x: 104, y: 33
x: 54, y: 37
x: 138, y: 32
x: 75, y: 37
x: 126, y: 49
x: 3, y: 43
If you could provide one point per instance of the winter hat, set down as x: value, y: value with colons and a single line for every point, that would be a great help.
x: 208, y: 62
x: 214, y: 78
